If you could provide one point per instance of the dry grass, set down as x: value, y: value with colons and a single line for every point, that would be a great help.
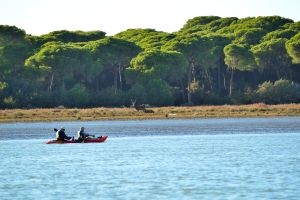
x: 55, y: 114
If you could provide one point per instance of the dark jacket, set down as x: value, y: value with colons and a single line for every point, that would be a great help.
x: 61, y: 135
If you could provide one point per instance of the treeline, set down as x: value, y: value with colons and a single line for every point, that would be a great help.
x: 210, y: 60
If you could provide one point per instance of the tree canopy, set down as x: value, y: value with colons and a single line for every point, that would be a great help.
x: 210, y: 60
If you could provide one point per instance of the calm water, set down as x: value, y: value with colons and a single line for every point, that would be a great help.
x: 257, y: 158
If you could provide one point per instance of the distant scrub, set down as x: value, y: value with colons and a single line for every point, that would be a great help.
x: 279, y: 91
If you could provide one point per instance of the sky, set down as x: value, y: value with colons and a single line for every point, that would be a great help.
x: 38, y: 17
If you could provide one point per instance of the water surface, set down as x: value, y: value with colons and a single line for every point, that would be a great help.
x: 251, y: 158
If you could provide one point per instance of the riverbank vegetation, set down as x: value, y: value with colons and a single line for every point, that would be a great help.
x: 209, y: 61
x: 101, y: 113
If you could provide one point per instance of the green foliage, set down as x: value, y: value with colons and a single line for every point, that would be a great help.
x: 194, y: 26
x: 204, y: 51
x: 146, y: 38
x: 159, y: 93
x: 272, y: 55
x: 186, y: 45
x: 3, y: 86
x: 113, y: 51
x: 286, y: 33
x: 249, y: 36
x: 292, y: 25
x: 268, y: 24
x: 77, y: 96
x: 62, y: 62
x: 208, y: 58
x: 281, y: 91
x: 14, y: 49
x: 9, y: 102
x: 238, y: 57
x: 197, y: 91
x: 65, y: 36
x: 167, y: 65
x: 151, y: 69
x: 221, y: 23
x: 138, y: 92
x: 115, y: 54
x: 191, y: 48
x: 293, y: 48
x: 47, y: 99
x: 108, y: 97
x: 197, y: 21
x: 10, y: 34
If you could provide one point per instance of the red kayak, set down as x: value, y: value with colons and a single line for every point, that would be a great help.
x: 88, y: 140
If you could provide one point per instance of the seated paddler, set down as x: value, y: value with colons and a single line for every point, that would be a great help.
x: 81, y: 135
x: 61, y: 135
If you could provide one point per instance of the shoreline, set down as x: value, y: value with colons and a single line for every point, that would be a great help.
x: 102, y: 113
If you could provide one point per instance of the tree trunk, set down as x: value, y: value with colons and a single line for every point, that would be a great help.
x: 51, y: 82
x: 120, y: 77
x: 210, y: 84
x: 224, y: 81
x: 231, y: 82
x: 116, y: 80
x: 219, y: 79
x: 183, y: 91
x: 189, y: 76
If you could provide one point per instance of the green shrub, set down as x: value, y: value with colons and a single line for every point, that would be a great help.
x: 281, y: 91
x: 77, y: 96
x: 9, y: 102
x: 137, y: 92
x: 159, y: 93
x: 108, y: 97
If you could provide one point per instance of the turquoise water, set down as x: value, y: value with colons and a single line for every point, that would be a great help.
x: 257, y: 158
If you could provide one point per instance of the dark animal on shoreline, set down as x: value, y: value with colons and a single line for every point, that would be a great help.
x: 140, y: 107
x: 148, y: 111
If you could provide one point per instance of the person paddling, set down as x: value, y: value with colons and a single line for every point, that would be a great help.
x: 81, y: 135
x: 61, y: 135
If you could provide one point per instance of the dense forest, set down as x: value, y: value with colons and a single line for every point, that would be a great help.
x: 209, y: 61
